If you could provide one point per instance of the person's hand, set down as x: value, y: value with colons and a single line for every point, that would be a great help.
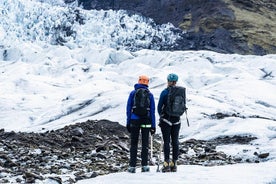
x: 128, y: 128
x: 152, y: 130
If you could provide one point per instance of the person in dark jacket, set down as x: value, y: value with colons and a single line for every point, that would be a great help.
x: 170, y: 127
x: 136, y: 123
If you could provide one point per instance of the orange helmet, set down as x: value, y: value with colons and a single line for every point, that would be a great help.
x: 143, y: 79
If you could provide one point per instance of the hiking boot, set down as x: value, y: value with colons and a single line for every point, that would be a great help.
x: 131, y: 170
x: 166, y: 167
x: 173, y: 166
x: 145, y: 169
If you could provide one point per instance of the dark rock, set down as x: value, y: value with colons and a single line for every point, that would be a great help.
x: 94, y: 174
x: 32, y: 176
x: 263, y: 155
x: 57, y: 179
x: 18, y: 180
x: 78, y: 131
x: 101, y: 156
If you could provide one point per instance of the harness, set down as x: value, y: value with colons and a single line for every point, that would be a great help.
x: 170, y: 123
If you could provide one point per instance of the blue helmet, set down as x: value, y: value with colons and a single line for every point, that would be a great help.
x: 172, y: 77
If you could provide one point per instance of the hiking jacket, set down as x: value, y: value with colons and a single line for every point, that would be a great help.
x: 162, y: 101
x: 130, y: 102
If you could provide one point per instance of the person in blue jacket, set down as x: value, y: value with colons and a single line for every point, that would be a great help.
x: 136, y: 123
x: 170, y: 127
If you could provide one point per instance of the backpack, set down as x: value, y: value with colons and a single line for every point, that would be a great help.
x: 176, y: 102
x: 141, y: 102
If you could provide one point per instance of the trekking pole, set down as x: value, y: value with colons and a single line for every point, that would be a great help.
x: 151, y: 149
x: 159, y: 159
x: 187, y: 118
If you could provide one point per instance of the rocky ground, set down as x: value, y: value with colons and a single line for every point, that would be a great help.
x: 93, y: 148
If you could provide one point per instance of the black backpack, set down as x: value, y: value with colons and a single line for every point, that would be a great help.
x: 141, y: 102
x: 176, y: 102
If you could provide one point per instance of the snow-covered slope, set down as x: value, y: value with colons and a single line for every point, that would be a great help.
x: 55, y: 84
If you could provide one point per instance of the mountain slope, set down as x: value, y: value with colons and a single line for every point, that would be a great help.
x: 236, y: 26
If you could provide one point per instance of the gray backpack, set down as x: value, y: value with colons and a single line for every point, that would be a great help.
x: 176, y: 102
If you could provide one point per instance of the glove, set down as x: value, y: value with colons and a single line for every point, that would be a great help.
x: 160, y: 122
x: 128, y: 128
x: 152, y: 130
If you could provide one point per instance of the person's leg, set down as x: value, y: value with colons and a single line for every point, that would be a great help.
x: 134, y: 145
x: 175, y: 141
x: 175, y: 145
x: 166, y: 129
x: 145, y: 146
x: 145, y: 149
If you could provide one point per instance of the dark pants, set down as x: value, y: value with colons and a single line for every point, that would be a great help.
x: 135, y: 131
x: 170, y: 134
